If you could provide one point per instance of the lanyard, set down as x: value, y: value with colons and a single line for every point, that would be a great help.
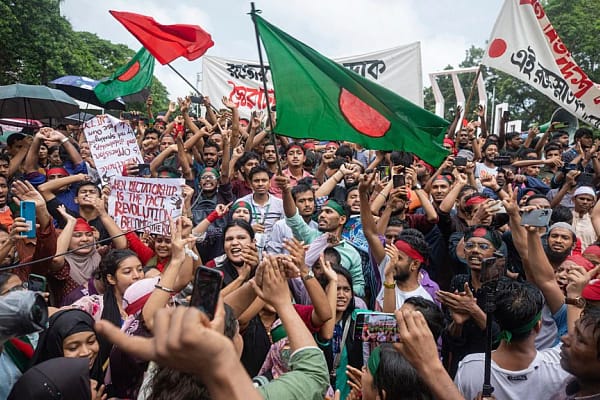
x: 256, y: 213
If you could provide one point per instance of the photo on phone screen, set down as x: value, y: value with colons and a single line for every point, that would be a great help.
x: 144, y: 170
x: 205, y: 295
x: 384, y: 172
x: 376, y: 327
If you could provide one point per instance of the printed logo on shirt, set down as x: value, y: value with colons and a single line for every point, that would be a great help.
x: 517, y: 377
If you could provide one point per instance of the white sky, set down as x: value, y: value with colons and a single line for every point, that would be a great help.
x: 336, y: 28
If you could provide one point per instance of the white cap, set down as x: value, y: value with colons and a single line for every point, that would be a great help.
x: 584, y: 190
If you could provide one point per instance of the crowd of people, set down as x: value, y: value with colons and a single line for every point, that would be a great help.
x: 314, y: 241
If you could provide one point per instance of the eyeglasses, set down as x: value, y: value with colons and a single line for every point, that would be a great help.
x: 481, y: 246
x: 208, y: 178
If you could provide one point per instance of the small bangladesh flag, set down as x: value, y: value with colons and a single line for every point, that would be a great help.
x: 129, y: 79
x: 320, y: 99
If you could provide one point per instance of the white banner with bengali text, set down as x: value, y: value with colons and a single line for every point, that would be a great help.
x: 524, y: 44
x: 398, y: 69
x: 112, y: 144
x: 145, y: 204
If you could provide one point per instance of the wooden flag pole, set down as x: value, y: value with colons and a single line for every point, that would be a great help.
x: 253, y: 13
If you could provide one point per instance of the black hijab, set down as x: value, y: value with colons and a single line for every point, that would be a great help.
x: 56, y: 379
x: 60, y: 326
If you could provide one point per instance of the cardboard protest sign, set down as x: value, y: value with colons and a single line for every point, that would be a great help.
x: 112, y: 143
x: 145, y: 204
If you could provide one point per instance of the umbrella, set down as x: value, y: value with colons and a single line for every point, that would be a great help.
x: 35, y: 102
x: 82, y: 88
x: 78, y: 118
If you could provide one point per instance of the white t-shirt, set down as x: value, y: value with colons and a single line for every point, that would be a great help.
x: 400, y: 295
x: 541, y: 380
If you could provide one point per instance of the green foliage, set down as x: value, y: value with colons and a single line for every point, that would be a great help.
x: 577, y: 23
x: 39, y: 45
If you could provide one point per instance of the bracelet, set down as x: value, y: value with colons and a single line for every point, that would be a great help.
x: 389, y: 285
x: 64, y: 140
x: 498, y: 191
x: 164, y: 289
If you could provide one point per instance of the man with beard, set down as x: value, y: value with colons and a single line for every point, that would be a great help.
x: 487, y: 167
x: 331, y: 221
x: 584, y: 199
x: 401, y: 270
x: 242, y: 163
x: 304, y: 198
x: 295, y: 156
x: 150, y: 145
x: 270, y: 158
x: 210, y: 154
x: 560, y: 243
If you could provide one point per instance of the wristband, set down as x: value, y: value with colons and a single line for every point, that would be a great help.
x: 389, y: 285
x: 212, y: 217
x: 164, y: 289
x: 64, y: 140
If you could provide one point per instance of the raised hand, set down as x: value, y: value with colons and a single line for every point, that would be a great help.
x: 25, y: 191
x: 228, y: 103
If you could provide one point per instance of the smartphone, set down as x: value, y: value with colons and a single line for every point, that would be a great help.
x: 205, y: 295
x: 460, y: 162
x: 498, y: 208
x: 36, y: 283
x: 585, y: 179
x: 196, y: 99
x: 384, y: 171
x: 399, y: 180
x: 502, y: 160
x: 492, y: 269
x: 144, y: 170
x: 375, y: 327
x: 539, y: 217
x: 28, y: 212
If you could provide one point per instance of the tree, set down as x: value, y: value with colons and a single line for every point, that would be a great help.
x: 577, y: 23
x: 39, y: 45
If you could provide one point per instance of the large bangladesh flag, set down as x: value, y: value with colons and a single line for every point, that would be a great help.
x: 131, y: 78
x: 318, y: 98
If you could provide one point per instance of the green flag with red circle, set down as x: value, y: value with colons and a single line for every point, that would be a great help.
x: 131, y: 78
x: 320, y: 99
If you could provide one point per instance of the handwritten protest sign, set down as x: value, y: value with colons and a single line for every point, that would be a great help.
x: 145, y: 203
x: 112, y: 144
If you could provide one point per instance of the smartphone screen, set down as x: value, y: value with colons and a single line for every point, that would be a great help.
x: 144, y: 170
x: 36, y: 283
x: 205, y: 295
x: 28, y: 212
x: 384, y: 172
x: 539, y: 218
x: 376, y: 327
x: 399, y: 180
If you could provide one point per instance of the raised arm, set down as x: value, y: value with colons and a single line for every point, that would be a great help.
x: 327, y: 187
x: 31, y: 159
x: 367, y: 220
x: 64, y: 141
x: 64, y: 239
x: 539, y: 270
x: 119, y: 240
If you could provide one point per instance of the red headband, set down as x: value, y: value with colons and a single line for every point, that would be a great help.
x: 473, y: 201
x: 581, y: 260
x: 332, y: 144
x: 56, y: 171
x: 296, y: 146
x: 81, y: 225
x: 592, y: 250
x: 409, y: 250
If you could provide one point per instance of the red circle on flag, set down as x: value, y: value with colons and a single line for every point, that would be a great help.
x: 130, y: 73
x: 497, y: 48
x: 362, y: 116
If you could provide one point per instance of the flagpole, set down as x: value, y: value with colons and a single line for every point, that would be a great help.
x: 192, y: 86
x: 471, y: 92
x: 264, y: 79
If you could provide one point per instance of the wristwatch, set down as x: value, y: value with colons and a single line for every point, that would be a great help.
x: 577, y: 301
x: 308, y: 276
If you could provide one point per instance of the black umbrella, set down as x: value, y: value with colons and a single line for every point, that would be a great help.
x: 35, y: 102
x: 82, y: 88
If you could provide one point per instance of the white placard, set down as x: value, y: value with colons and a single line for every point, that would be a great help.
x: 112, y: 144
x: 145, y: 204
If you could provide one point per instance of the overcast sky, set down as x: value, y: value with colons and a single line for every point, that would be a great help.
x: 336, y: 28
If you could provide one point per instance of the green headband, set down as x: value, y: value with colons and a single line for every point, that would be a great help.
x: 336, y: 207
x: 373, y: 363
x: 506, y: 335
